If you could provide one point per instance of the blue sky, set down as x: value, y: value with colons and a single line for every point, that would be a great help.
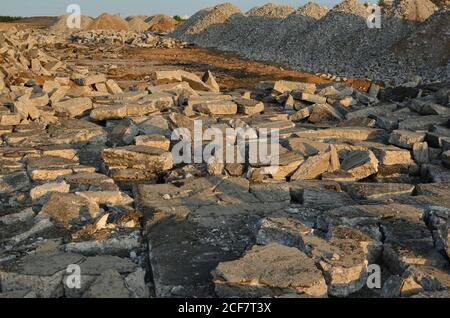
x: 130, y: 7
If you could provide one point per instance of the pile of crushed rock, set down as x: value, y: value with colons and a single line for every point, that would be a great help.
x: 337, y: 41
x: 131, y: 38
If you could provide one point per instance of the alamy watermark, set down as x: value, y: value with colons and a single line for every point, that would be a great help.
x: 374, y: 18
x: 233, y: 145
x: 374, y: 276
x: 73, y: 20
x: 73, y: 279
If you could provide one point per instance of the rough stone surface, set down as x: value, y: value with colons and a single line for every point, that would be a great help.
x: 91, y: 175
x: 270, y: 271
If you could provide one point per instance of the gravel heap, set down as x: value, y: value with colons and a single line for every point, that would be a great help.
x: 324, y: 40
x: 286, y: 35
x: 312, y: 10
x: 61, y: 24
x: 204, y: 19
x: 130, y: 38
x: 426, y: 51
x: 108, y: 22
x: 262, y: 21
x: 246, y: 31
x: 137, y: 24
x: 366, y: 48
x: 314, y: 39
x: 271, y: 10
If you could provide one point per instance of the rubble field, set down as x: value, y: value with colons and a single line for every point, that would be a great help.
x: 90, y: 182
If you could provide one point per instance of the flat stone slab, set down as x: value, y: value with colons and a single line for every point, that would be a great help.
x: 378, y: 190
x: 108, y: 285
x: 355, y: 133
x: 138, y: 157
x: 98, y: 264
x: 73, y: 107
x: 270, y: 270
x: 406, y: 138
x: 46, y: 263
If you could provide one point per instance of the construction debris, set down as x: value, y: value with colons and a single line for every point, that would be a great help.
x: 106, y: 171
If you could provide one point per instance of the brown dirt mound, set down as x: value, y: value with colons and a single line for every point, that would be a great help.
x: 162, y: 23
x: 138, y: 25
x: 108, y: 22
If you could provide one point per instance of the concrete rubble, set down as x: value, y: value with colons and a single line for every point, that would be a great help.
x: 89, y: 177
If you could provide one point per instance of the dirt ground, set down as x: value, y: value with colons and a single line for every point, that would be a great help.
x: 232, y: 70
x: 137, y: 65
x: 29, y: 23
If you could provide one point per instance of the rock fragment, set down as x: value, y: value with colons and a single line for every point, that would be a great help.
x: 271, y: 270
x: 249, y: 106
x: 90, y: 80
x: 406, y: 139
x: 421, y: 154
x: 360, y: 164
x: 208, y: 79
x: 138, y: 157
x: 73, y: 107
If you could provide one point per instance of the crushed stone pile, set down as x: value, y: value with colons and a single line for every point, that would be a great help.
x: 313, y: 10
x: 270, y: 10
x: 108, y: 22
x: 204, y: 20
x: 329, y: 36
x: 367, y: 47
x: 261, y: 21
x: 425, y: 51
x: 137, y: 24
x: 314, y: 39
x: 130, y: 38
x: 286, y: 35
